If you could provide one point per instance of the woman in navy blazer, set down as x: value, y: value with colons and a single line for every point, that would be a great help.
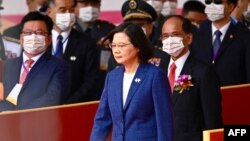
x: 136, y: 101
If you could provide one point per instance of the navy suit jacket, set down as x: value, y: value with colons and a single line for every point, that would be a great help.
x: 47, y: 83
x: 83, y: 56
x: 147, y: 114
x: 198, y: 108
x: 233, y: 62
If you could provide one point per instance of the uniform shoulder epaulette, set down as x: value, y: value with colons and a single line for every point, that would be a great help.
x: 7, y: 38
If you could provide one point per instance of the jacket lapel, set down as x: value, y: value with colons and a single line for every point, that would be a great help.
x: 72, y: 43
x: 14, y: 71
x: 17, y: 70
x: 137, y: 80
x: 41, y: 62
x: 227, y: 40
x: 187, y: 70
x: 117, y: 83
x: 208, y: 42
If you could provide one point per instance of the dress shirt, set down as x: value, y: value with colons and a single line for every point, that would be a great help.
x: 65, y: 36
x: 223, y: 31
x: 179, y: 64
x: 25, y: 58
x: 127, y: 80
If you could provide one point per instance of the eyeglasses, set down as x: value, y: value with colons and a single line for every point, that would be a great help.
x: 167, y: 35
x: 119, y: 45
x: 215, y: 1
x: 38, y: 32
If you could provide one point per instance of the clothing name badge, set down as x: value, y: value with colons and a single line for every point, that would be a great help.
x: 12, y: 97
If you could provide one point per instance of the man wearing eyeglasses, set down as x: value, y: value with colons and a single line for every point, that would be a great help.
x: 196, y: 97
x: 36, y: 79
x: 11, y: 35
x: 222, y: 44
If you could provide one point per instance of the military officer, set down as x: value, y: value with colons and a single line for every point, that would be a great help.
x: 140, y: 12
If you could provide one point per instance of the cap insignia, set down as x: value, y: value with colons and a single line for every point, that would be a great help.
x: 132, y: 4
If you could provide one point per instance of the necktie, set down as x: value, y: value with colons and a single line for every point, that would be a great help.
x: 27, y: 66
x: 216, y: 44
x: 59, y: 46
x: 171, y: 76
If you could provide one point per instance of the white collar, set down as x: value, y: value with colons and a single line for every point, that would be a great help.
x: 35, y: 58
x: 223, y: 29
x: 65, y: 34
x: 180, y: 61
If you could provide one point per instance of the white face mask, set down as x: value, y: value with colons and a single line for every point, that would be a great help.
x: 173, y: 46
x: 88, y: 14
x: 169, y: 8
x: 34, y: 44
x: 247, y: 12
x: 157, y: 5
x: 65, y: 21
x: 214, y: 12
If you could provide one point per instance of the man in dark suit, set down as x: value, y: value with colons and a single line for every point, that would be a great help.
x: 196, y: 94
x: 77, y: 49
x: 36, y: 79
x: 229, y: 53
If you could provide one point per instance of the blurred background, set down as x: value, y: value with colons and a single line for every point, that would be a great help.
x: 14, y: 10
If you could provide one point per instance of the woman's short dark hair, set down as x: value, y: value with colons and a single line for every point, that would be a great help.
x: 37, y: 16
x: 137, y: 37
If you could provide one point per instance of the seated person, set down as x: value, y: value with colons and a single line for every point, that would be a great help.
x: 35, y: 79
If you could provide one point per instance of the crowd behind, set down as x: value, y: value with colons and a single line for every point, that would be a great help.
x: 154, y: 61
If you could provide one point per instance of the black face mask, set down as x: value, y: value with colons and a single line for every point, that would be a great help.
x: 215, y: 1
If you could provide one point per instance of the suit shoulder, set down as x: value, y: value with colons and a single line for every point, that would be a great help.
x: 104, y: 24
x: 116, y: 69
x: 13, y: 32
x: 57, y: 61
x: 82, y: 37
x: 13, y: 28
x: 201, y: 67
x: 79, y: 35
x: 11, y: 61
